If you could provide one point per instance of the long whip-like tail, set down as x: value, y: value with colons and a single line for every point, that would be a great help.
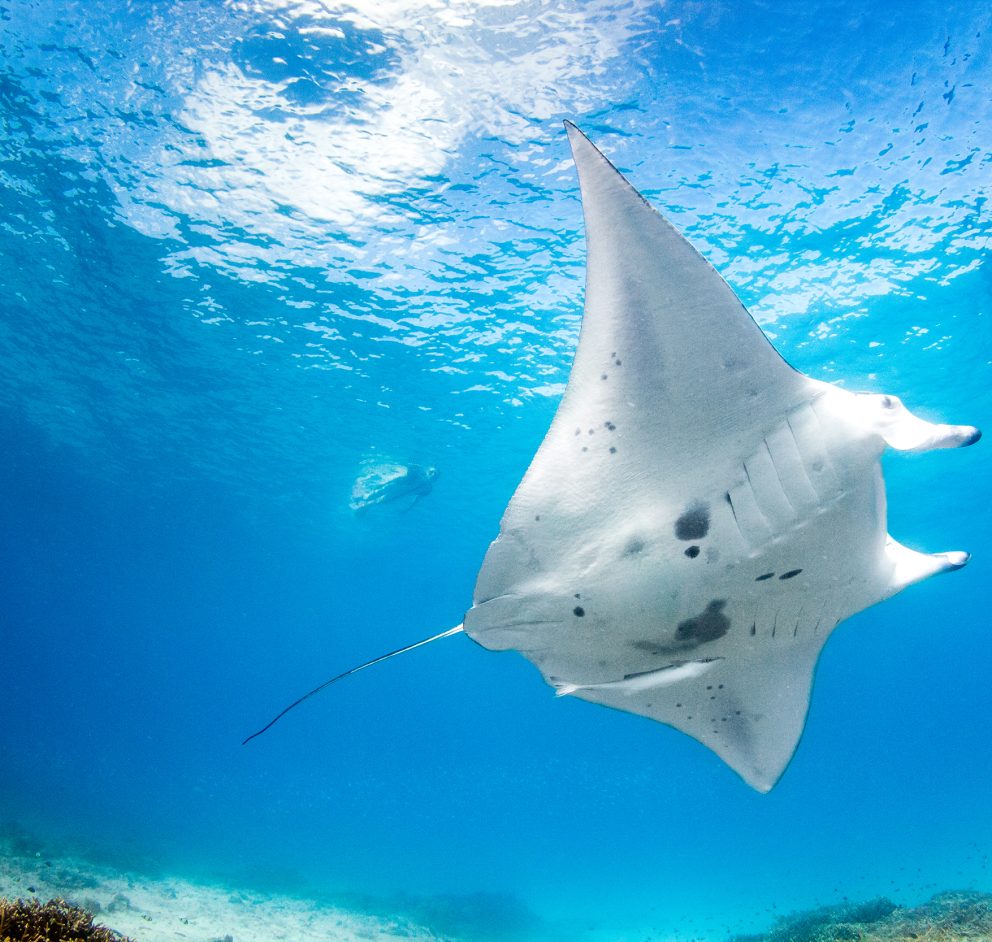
x: 348, y: 673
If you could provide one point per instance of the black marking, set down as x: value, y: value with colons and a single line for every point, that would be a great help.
x: 613, y: 450
x: 577, y: 595
x: 733, y: 513
x: 578, y: 611
x: 537, y: 517
x: 584, y: 448
x: 578, y: 431
x: 592, y: 431
x: 603, y: 376
x: 708, y: 626
x: 694, y: 524
x: 618, y: 363
x: 790, y: 574
x: 754, y: 629
x: 747, y: 474
x: 692, y: 632
x: 634, y: 547
x: 692, y: 552
x: 764, y: 576
x: 609, y: 426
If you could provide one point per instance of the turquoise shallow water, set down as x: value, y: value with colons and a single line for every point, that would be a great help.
x: 250, y: 249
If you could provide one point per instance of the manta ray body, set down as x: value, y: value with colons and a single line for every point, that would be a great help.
x: 701, y: 516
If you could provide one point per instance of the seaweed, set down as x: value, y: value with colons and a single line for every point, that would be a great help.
x: 947, y: 917
x: 54, y: 921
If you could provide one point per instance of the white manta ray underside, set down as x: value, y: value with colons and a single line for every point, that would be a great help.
x: 700, y: 516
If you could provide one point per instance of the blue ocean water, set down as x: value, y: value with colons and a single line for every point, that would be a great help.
x: 249, y: 249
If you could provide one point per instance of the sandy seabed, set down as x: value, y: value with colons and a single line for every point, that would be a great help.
x: 164, y: 909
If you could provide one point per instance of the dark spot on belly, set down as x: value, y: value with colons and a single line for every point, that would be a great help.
x: 603, y: 376
x: 692, y: 552
x: 578, y: 611
x: 694, y: 524
x: 764, y: 576
x: 633, y: 547
x: 613, y: 450
x: 790, y: 574
x: 708, y: 626
x: 577, y: 595
x: 609, y: 426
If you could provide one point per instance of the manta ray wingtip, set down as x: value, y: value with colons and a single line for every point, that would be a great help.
x: 954, y: 559
x: 574, y: 132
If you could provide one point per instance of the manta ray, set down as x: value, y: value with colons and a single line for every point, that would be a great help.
x: 700, y: 516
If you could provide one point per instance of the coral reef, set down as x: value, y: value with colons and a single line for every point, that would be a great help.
x: 948, y: 917
x: 54, y: 921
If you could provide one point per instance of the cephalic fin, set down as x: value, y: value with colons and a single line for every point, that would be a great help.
x: 910, y: 567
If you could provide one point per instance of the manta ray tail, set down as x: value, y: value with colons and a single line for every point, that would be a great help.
x: 348, y: 673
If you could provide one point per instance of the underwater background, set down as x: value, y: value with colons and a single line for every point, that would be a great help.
x: 251, y: 250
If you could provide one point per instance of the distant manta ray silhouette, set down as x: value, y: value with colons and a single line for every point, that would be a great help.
x: 700, y: 516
